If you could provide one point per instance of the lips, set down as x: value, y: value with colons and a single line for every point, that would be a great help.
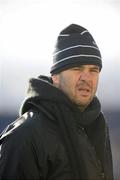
x: 84, y: 91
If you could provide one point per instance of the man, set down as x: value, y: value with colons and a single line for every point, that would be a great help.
x: 61, y: 133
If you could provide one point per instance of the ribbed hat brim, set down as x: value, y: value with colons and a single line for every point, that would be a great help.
x: 75, y: 62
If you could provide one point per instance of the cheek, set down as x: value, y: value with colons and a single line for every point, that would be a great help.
x: 72, y: 87
x: 95, y: 83
x: 69, y: 87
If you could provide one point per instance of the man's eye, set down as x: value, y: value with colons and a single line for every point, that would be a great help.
x: 75, y: 68
x: 95, y: 70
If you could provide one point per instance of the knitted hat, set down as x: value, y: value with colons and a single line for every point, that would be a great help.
x: 75, y: 46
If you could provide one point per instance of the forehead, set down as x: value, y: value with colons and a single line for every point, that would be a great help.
x: 81, y: 68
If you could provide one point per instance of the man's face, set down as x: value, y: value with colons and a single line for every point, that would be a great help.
x: 79, y: 83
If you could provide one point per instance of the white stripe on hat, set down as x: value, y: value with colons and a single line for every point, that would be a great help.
x: 72, y: 47
x: 84, y: 32
x: 80, y: 55
x: 64, y: 35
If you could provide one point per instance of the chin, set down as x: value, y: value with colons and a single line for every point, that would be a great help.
x: 84, y: 103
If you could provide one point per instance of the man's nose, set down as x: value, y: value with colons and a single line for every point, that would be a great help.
x: 85, y: 75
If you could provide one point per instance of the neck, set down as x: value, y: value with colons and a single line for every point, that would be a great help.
x: 82, y: 108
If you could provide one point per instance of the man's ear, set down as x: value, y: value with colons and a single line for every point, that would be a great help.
x: 55, y: 79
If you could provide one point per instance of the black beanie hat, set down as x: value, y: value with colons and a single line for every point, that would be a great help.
x: 75, y: 46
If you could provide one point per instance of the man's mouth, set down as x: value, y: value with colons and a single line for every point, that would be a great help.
x: 84, y: 91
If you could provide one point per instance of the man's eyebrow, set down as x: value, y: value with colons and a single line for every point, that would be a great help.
x: 96, y: 67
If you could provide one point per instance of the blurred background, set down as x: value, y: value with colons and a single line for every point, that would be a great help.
x: 28, y: 32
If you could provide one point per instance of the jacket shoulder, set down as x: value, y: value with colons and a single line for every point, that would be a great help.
x: 22, y: 147
x: 24, y: 125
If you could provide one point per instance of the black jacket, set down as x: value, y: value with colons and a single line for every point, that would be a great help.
x: 53, y: 140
